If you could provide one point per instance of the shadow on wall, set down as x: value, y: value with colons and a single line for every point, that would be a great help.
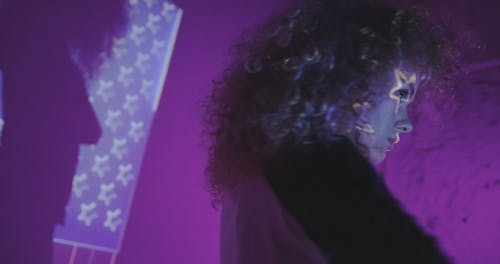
x: 47, y: 114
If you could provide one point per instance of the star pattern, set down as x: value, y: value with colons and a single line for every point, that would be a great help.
x: 150, y: 3
x: 113, y: 120
x: 113, y: 219
x: 136, y: 131
x: 137, y: 35
x: 124, y: 77
x: 146, y: 88
x: 107, y: 193
x: 100, y: 166
x: 141, y: 62
x: 79, y: 184
x: 123, y: 92
x: 157, y: 47
x: 87, y: 213
x: 131, y: 104
x: 119, y: 148
x: 153, y: 23
x: 105, y: 90
x: 167, y: 11
x: 119, y: 52
x: 124, y: 174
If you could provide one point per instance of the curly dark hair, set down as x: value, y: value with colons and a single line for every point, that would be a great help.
x: 302, y: 77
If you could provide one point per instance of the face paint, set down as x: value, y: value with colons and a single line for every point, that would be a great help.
x: 380, y: 125
x: 405, y: 88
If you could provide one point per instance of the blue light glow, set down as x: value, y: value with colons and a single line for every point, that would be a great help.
x: 1, y: 106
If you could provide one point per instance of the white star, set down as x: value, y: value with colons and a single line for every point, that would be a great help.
x: 157, y: 46
x: 146, y: 86
x: 87, y: 213
x: 141, y: 62
x: 119, y: 52
x: 107, y: 193
x: 113, y: 120
x: 100, y: 166
x: 113, y: 219
x: 104, y: 90
x: 79, y: 184
x: 167, y: 10
x: 118, y: 149
x: 136, y: 131
x: 124, y: 76
x: 137, y: 35
x: 124, y: 175
x: 131, y: 103
x: 150, y: 3
x: 153, y: 23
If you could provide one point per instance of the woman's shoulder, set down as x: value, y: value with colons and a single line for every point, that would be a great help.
x: 256, y: 229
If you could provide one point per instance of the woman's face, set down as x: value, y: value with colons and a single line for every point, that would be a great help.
x: 381, y: 124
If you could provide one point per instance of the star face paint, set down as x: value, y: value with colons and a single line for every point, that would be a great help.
x: 405, y: 88
x: 379, y: 126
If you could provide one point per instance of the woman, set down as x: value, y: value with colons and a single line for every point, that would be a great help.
x: 310, y: 100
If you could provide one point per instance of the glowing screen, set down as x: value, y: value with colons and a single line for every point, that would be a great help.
x: 1, y: 105
x: 125, y: 96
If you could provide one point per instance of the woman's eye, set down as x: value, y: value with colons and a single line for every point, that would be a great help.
x: 402, y: 94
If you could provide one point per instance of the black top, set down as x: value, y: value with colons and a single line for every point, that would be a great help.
x: 344, y: 207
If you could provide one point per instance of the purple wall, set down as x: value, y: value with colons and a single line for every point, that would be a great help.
x: 447, y: 173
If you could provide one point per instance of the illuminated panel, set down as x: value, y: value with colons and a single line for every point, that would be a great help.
x: 125, y: 96
x: 1, y: 105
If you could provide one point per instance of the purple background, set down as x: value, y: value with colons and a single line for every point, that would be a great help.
x: 447, y: 177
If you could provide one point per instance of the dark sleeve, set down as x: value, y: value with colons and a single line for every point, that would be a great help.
x: 341, y: 203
